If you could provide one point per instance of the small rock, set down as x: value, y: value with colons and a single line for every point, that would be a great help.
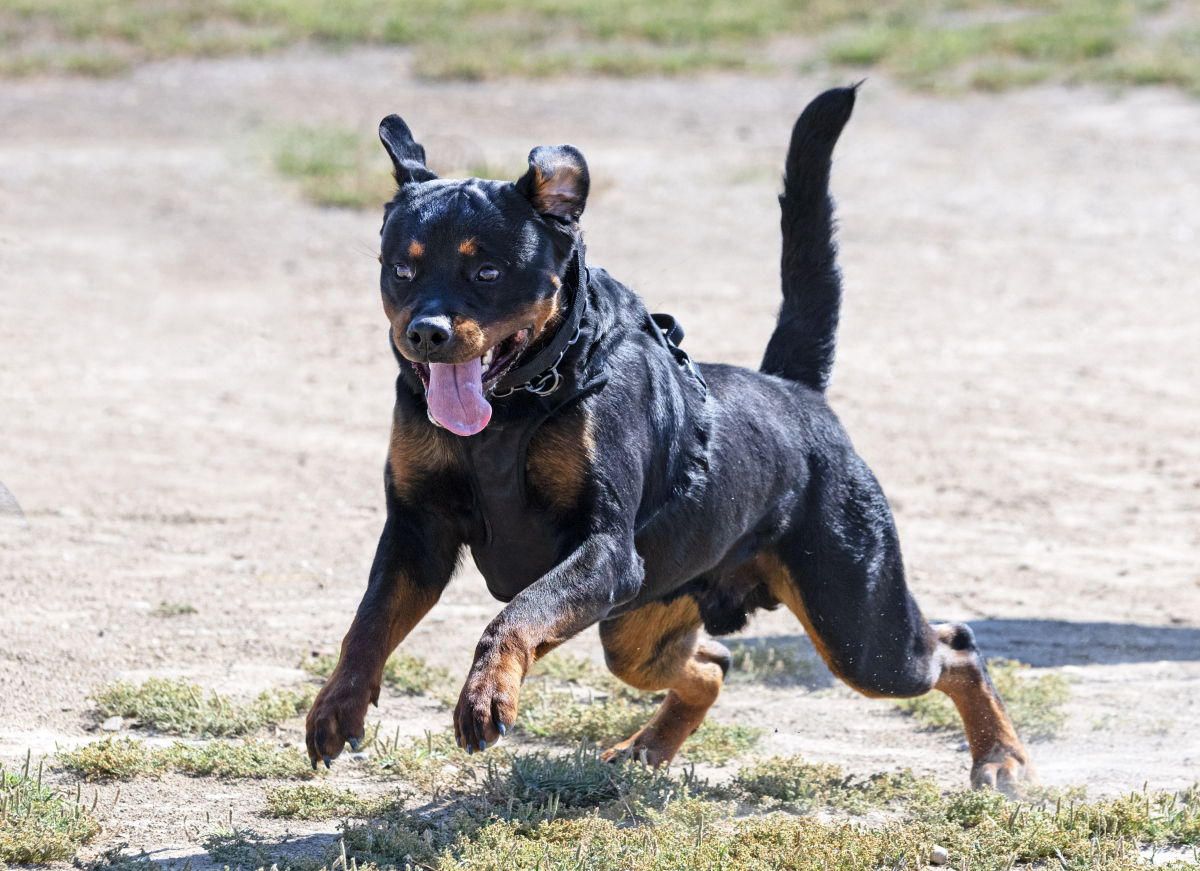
x: 112, y: 724
x: 963, y: 747
x: 939, y: 856
x: 361, y: 755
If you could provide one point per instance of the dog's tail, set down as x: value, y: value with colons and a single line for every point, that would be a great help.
x: 801, y: 348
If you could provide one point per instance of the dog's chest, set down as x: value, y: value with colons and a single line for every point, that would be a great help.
x: 517, y: 542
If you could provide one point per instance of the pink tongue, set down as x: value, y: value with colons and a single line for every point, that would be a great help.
x: 455, y: 397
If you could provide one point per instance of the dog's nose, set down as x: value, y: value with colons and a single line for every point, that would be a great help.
x: 429, y: 332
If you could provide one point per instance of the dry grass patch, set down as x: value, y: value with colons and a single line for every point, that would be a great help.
x: 179, y: 707
x: 541, y: 810
x: 989, y: 44
x: 124, y: 758
x: 38, y: 822
x: 321, y: 802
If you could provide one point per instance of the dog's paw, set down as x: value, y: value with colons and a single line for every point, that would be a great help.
x: 487, y: 706
x: 646, y: 746
x: 338, y: 717
x: 1009, y: 774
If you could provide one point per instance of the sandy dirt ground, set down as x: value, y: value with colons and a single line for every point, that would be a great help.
x: 195, y: 386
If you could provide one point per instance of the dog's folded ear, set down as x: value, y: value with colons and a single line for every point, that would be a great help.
x: 408, y: 156
x: 557, y: 182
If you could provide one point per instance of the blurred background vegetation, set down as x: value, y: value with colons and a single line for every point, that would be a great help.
x: 948, y: 45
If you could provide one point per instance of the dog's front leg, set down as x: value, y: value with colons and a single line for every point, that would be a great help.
x: 413, y: 564
x: 605, y: 571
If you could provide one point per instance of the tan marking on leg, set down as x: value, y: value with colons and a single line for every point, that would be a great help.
x: 339, y: 711
x: 503, y: 658
x: 998, y: 757
x: 560, y: 455
x: 778, y: 580
x: 659, y: 647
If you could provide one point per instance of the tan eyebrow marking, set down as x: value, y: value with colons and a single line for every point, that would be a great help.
x: 467, y: 247
x: 415, y: 248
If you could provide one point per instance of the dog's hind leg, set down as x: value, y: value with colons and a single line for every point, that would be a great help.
x: 998, y: 757
x: 891, y: 651
x: 658, y: 647
x: 839, y: 570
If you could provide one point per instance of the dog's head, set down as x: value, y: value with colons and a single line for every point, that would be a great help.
x: 473, y: 270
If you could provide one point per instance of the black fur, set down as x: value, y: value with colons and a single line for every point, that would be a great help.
x: 802, y: 347
x: 683, y: 487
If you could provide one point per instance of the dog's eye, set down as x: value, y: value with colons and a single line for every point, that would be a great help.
x: 403, y: 272
x: 488, y: 273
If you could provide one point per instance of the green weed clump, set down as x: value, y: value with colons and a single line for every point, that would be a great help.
x: 580, y: 779
x: 110, y: 758
x: 805, y: 786
x: 404, y: 672
x: 124, y: 758
x: 176, y: 706
x: 321, y: 802
x: 38, y: 823
x: 1035, y: 704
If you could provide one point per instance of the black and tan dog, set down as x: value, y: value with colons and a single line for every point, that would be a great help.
x: 547, y: 422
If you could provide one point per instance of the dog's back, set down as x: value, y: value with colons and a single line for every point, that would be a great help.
x: 802, y: 346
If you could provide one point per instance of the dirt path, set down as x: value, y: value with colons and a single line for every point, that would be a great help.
x: 195, y: 382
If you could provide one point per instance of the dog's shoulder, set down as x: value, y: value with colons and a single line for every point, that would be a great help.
x: 647, y: 424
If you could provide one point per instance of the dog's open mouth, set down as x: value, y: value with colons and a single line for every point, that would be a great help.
x: 456, y: 392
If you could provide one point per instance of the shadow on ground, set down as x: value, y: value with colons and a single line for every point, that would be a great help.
x: 1045, y: 644
x: 257, y: 851
x: 1048, y: 643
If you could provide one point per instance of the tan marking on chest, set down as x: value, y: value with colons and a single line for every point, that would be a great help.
x: 559, y: 458
x: 419, y: 449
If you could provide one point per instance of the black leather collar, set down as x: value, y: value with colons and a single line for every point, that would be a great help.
x: 540, y: 375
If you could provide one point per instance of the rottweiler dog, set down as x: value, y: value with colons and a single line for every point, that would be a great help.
x: 550, y: 424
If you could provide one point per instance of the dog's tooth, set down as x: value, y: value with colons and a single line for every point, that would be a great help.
x: 487, y: 358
